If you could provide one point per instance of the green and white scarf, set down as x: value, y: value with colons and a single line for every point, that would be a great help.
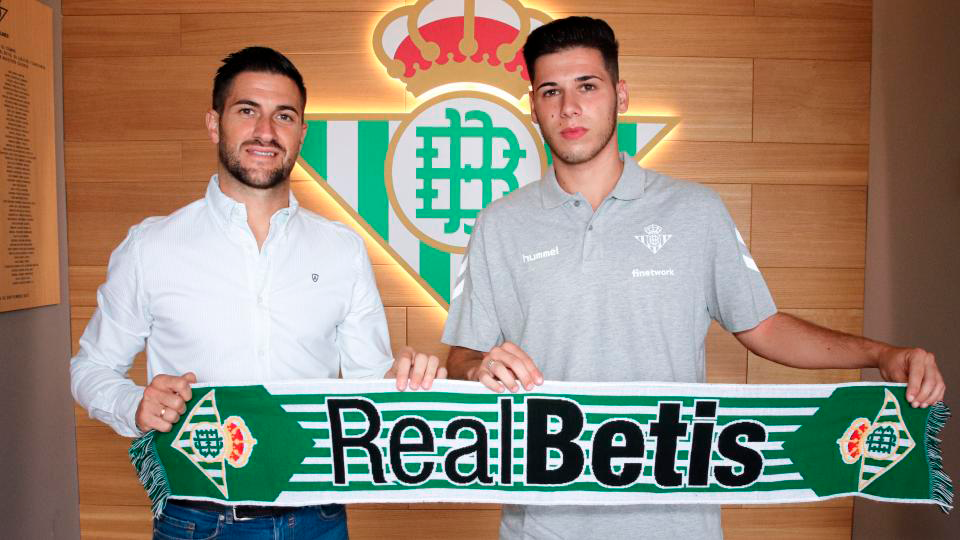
x: 323, y: 441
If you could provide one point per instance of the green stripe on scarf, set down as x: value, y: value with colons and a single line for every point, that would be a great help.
x: 316, y: 442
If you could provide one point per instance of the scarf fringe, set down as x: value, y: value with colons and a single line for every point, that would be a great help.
x: 143, y: 454
x: 941, y: 487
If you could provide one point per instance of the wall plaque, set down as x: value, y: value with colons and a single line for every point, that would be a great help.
x: 29, y: 251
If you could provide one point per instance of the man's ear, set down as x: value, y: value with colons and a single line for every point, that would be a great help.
x: 303, y: 131
x: 212, y: 119
x: 623, y: 97
x: 533, y: 109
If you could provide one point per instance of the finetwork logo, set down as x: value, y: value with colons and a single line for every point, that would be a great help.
x: 638, y: 273
x: 417, y: 180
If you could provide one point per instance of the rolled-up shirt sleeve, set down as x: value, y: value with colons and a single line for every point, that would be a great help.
x: 362, y: 337
x: 113, y: 337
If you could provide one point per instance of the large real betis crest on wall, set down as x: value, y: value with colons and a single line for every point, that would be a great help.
x: 417, y: 180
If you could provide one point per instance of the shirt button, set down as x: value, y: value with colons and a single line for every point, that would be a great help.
x: 576, y: 203
x: 590, y: 228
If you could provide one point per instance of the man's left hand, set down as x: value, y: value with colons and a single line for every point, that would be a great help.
x: 416, y: 370
x: 916, y: 367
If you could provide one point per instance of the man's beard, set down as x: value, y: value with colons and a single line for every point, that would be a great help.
x: 581, y: 155
x: 273, y: 178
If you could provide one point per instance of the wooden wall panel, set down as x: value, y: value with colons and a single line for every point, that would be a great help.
x: 815, y: 287
x: 738, y: 200
x: 84, y: 281
x: 369, y: 89
x: 809, y: 226
x: 121, y: 35
x: 105, y: 474
x: 739, y: 37
x: 99, y: 522
x: 787, y: 523
x: 425, y: 326
x: 712, y: 96
x: 811, y: 101
x: 123, y: 161
x: 221, y: 33
x: 761, y: 163
x: 135, y: 7
x: 773, y: 101
x: 686, y: 7
x: 836, y: 9
x: 398, y: 289
x: 154, y: 98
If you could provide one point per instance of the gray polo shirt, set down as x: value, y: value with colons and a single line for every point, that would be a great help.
x: 625, y: 293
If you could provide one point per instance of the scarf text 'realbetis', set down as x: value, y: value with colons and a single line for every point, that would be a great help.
x: 323, y: 441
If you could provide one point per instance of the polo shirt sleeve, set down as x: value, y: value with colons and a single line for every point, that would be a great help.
x: 472, y: 321
x: 736, y: 293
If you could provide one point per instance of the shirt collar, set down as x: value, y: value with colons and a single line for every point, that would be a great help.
x: 633, y: 180
x: 229, y: 211
x: 630, y: 185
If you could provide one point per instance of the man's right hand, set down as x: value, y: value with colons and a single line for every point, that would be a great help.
x: 507, y: 367
x: 164, y: 400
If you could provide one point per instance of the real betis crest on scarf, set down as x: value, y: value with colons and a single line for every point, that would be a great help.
x: 317, y: 442
x: 416, y: 180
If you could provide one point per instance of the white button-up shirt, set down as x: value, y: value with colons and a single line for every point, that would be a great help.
x: 196, y: 291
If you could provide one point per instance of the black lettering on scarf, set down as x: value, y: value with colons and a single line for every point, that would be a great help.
x: 540, y: 441
x: 339, y: 442
x: 398, y: 447
x: 729, y: 447
x: 478, y: 449
x: 604, y: 450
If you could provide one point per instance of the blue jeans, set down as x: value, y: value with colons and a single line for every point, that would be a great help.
x: 327, y: 522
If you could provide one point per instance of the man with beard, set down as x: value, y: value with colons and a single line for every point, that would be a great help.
x: 638, y: 265
x: 240, y: 286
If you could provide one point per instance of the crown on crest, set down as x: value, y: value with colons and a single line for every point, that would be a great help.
x: 435, y: 42
x: 653, y: 229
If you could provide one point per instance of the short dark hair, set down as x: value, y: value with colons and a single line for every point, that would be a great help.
x: 258, y: 60
x: 562, y: 34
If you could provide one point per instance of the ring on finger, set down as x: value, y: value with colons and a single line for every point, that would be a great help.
x: 490, y: 363
x: 163, y: 411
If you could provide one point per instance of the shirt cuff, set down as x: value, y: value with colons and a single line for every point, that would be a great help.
x: 127, y: 405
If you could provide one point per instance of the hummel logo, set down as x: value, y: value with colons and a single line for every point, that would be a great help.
x: 541, y: 254
x: 653, y: 239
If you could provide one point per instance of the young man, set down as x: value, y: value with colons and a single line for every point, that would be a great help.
x: 243, y: 285
x: 606, y: 306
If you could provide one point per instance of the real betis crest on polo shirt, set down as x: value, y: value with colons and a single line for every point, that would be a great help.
x: 417, y: 180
